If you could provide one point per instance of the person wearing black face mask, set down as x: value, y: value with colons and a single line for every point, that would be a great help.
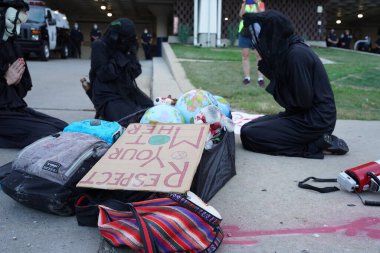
x: 114, y: 68
x: 95, y: 33
x: 299, y: 83
x: 146, y: 40
x: 76, y: 40
x: 19, y: 124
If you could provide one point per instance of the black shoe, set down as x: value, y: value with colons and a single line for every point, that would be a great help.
x: 246, y: 81
x: 332, y: 145
x: 261, y: 82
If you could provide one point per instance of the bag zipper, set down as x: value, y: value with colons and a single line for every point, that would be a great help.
x: 87, y: 154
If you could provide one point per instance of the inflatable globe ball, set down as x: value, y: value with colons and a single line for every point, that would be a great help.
x: 162, y: 114
x: 190, y: 103
x: 224, y: 106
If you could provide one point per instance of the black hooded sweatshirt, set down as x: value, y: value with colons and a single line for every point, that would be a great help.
x: 298, y: 79
x: 114, y: 67
x: 12, y: 96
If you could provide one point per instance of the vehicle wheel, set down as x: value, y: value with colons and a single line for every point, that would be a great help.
x: 65, y: 52
x: 45, y: 52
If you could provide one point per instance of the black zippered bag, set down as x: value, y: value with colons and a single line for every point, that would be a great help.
x: 45, y: 173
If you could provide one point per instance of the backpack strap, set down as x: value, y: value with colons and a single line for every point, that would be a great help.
x: 334, y: 188
x: 147, y: 238
x: 319, y: 189
x: 87, y: 211
x: 145, y: 231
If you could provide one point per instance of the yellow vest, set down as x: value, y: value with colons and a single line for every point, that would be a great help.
x: 249, y: 8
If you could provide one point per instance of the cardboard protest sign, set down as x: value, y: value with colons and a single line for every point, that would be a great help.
x: 162, y: 158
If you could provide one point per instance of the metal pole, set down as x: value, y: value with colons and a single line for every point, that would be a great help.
x: 195, y: 25
x: 209, y: 21
x: 219, y: 23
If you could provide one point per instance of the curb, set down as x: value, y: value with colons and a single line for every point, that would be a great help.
x: 176, y: 68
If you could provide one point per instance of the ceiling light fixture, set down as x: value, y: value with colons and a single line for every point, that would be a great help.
x: 339, y: 21
x: 103, y: 7
x: 360, y: 15
x: 109, y: 14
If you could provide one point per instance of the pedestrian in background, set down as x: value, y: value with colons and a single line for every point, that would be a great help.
x: 95, y: 33
x: 146, y: 40
x: 376, y: 48
x: 345, y: 40
x: 249, y: 6
x: 332, y: 40
x: 76, y: 39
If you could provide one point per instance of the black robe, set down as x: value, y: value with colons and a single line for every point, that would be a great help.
x: 112, y: 76
x: 20, y: 125
x: 305, y: 93
x: 299, y: 83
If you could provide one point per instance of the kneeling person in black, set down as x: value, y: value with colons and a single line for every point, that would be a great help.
x: 298, y: 83
x: 19, y: 124
x: 114, y: 68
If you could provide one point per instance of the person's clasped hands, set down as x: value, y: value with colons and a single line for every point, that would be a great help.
x: 129, y: 61
x: 121, y: 58
x: 15, y: 71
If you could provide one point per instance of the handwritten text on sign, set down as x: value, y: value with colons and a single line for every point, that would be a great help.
x: 146, y: 157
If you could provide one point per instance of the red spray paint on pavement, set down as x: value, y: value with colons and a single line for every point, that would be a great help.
x: 361, y: 226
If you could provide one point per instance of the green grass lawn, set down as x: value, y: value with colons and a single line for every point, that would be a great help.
x: 355, y: 79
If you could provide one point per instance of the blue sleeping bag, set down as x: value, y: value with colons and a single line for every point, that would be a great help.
x: 105, y: 130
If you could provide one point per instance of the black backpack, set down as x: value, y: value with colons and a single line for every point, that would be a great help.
x: 45, y: 173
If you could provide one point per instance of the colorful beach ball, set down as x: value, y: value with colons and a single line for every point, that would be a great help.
x: 190, y: 103
x: 162, y: 114
x: 224, y: 106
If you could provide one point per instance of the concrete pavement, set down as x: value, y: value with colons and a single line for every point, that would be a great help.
x: 263, y: 209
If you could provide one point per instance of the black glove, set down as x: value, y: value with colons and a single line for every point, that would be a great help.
x: 134, y: 69
x: 121, y: 59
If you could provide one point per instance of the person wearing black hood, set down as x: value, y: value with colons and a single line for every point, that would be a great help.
x: 19, y: 124
x: 114, y: 68
x: 299, y: 83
